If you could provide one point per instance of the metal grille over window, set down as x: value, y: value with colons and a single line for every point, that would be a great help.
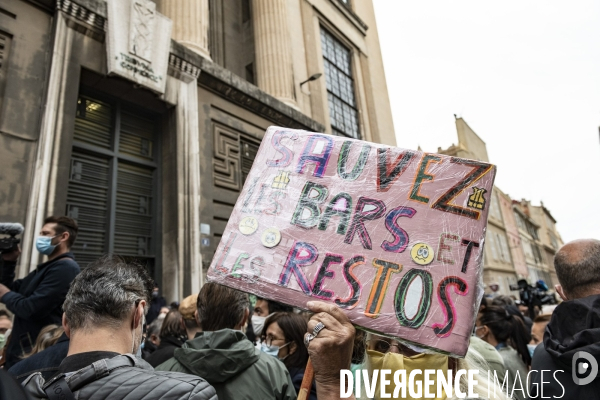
x: 137, y: 134
x: 93, y: 124
x: 87, y: 203
x: 340, y: 86
x: 133, y: 228
x: 111, y: 192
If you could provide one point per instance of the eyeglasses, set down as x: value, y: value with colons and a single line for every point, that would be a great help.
x: 269, y: 339
x: 383, y: 346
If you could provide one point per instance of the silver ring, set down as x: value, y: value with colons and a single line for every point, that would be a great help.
x: 308, y: 338
x: 318, y: 328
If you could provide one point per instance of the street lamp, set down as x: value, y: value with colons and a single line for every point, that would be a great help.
x: 312, y: 78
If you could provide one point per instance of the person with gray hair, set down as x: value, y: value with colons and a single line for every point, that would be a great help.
x: 104, y: 314
x: 152, y: 337
x: 571, y: 345
x: 223, y: 355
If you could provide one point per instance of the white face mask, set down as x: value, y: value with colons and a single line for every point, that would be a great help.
x: 258, y: 324
x: 138, y: 352
x: 475, y: 332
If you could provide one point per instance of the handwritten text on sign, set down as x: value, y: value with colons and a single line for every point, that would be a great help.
x: 392, y: 236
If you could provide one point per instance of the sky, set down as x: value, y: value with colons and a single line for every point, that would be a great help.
x: 524, y: 75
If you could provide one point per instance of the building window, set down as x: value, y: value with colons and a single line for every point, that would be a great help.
x: 537, y: 254
x: 526, y: 244
x: 519, y: 220
x: 498, y: 246
x: 533, y: 275
x: 493, y: 247
x: 504, y: 248
x: 495, y: 209
x: 533, y: 232
x: 112, y: 185
x: 340, y: 86
x: 553, y: 241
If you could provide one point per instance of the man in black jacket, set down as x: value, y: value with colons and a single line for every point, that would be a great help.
x: 37, y: 299
x: 566, y: 364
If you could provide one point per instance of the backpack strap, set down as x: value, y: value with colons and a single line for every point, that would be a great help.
x: 99, y: 369
x: 59, y: 389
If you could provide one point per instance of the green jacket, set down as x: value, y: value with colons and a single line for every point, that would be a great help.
x: 514, y: 363
x: 495, y: 362
x: 233, y: 366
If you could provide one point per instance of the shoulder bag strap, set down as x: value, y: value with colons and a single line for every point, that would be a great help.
x: 58, y: 389
x: 98, y: 370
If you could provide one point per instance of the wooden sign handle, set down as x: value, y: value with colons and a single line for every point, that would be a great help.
x: 309, y: 374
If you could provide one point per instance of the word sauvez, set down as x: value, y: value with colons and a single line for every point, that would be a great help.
x: 318, y: 150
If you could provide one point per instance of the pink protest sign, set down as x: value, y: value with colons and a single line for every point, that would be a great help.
x: 392, y: 236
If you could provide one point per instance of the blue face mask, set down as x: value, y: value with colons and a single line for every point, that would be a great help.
x: 531, y: 348
x: 272, y: 350
x: 44, y: 245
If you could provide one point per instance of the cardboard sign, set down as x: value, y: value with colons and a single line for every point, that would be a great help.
x: 392, y: 236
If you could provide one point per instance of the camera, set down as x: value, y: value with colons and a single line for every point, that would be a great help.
x: 532, y: 296
x: 11, y: 242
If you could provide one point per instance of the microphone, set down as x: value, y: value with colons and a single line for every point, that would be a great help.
x: 11, y: 228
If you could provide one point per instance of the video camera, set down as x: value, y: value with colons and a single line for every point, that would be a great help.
x: 11, y: 242
x: 532, y: 296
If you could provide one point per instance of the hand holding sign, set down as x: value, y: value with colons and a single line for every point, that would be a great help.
x: 393, y: 237
x: 331, y: 349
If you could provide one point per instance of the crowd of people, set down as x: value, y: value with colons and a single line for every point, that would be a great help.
x: 105, y: 332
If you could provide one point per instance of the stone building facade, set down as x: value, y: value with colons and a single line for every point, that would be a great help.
x: 543, y: 238
x: 521, y: 239
x: 155, y: 175
x: 512, y: 235
x: 549, y: 237
x: 530, y: 240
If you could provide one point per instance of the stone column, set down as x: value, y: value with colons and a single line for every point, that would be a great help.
x: 190, y: 23
x: 44, y: 185
x: 274, y: 73
x: 182, y: 260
